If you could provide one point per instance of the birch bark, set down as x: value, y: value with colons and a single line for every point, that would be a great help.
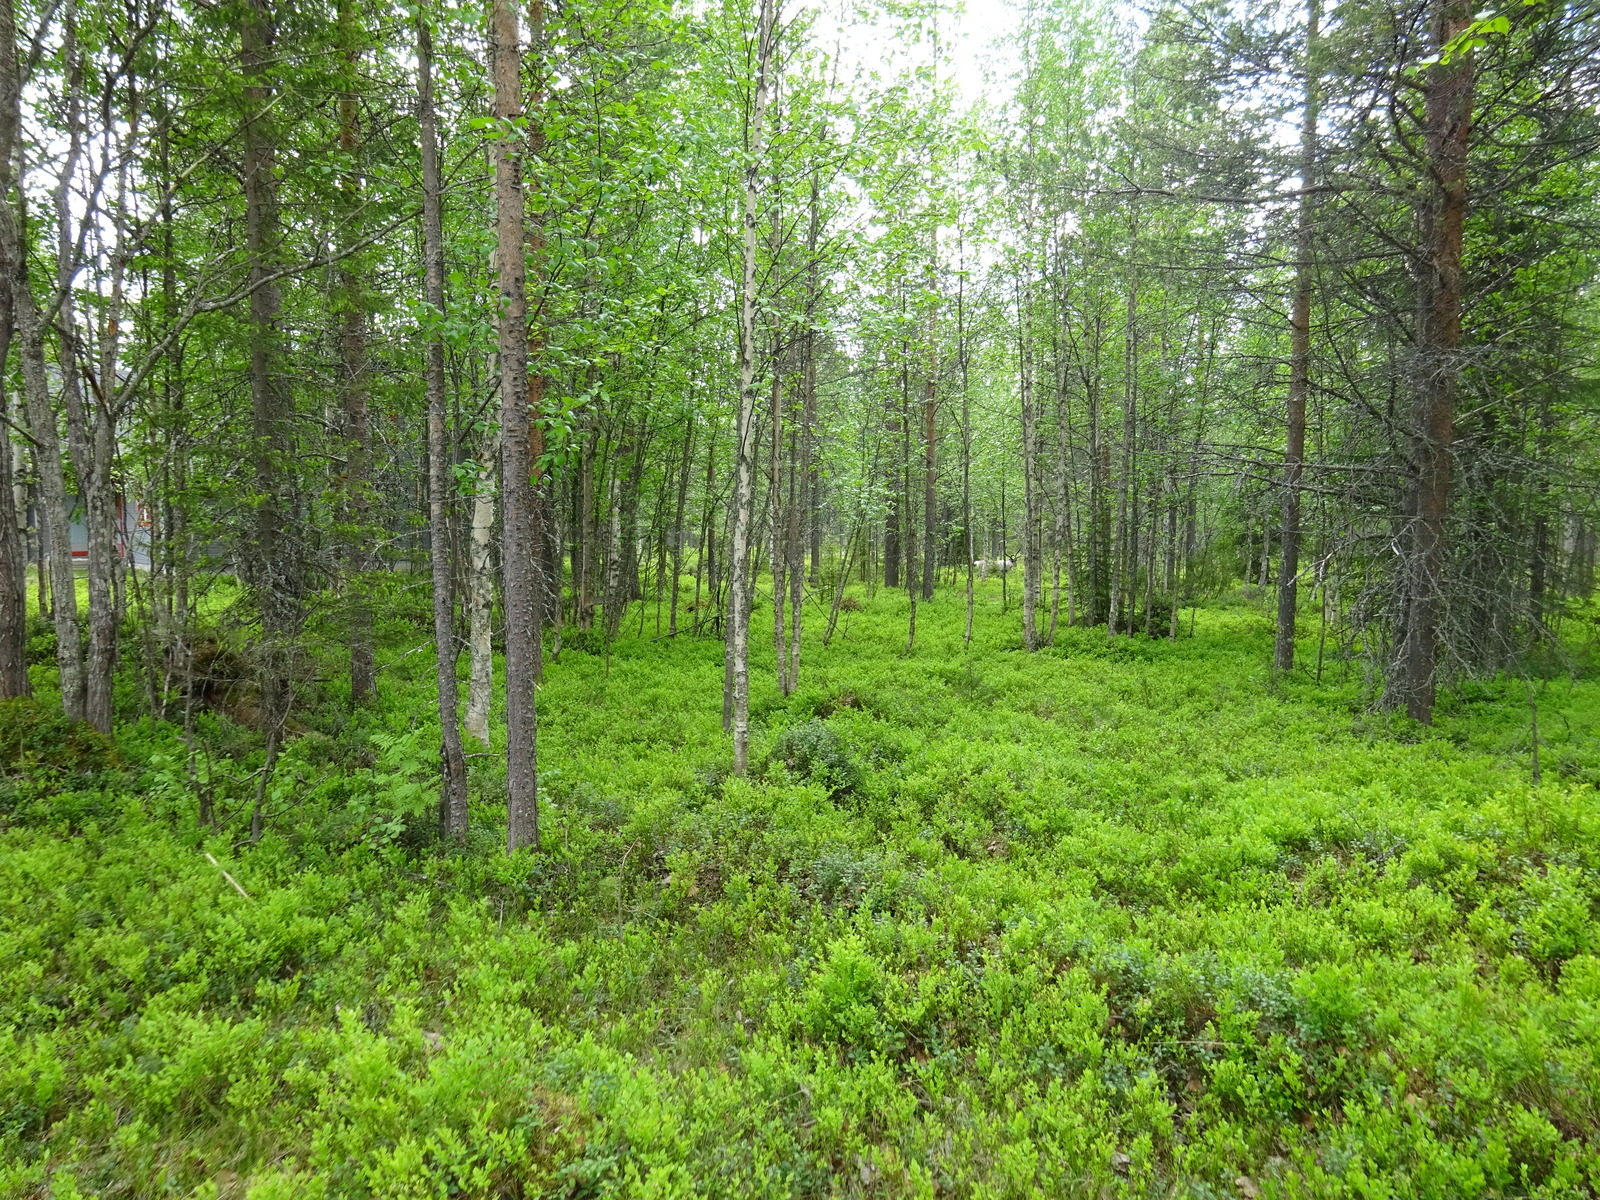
x: 516, y: 510
x: 744, y: 433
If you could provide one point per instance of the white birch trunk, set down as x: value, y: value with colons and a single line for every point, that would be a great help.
x: 480, y: 597
x: 744, y: 481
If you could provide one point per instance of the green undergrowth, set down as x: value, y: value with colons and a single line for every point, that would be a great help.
x: 1120, y: 918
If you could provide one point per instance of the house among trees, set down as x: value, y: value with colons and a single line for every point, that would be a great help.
x: 132, y: 526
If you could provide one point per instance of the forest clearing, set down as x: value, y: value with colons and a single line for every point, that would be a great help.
x: 644, y: 598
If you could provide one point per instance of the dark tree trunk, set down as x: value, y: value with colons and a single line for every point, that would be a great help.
x: 275, y: 573
x: 353, y: 381
x: 1299, y: 364
x: 453, y: 791
x: 1447, y: 125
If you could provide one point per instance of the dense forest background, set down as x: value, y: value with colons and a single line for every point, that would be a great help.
x: 1304, y: 299
x: 1134, y: 508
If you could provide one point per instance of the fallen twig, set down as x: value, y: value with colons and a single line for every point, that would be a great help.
x: 226, y: 876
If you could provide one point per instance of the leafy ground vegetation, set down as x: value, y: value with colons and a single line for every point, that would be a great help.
x: 1114, y: 919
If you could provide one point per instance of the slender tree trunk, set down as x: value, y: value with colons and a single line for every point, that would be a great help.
x: 1005, y: 543
x: 1204, y: 355
x: 802, y: 468
x: 845, y: 563
x: 677, y: 524
x: 705, y: 558
x: 543, y: 547
x: 102, y: 509
x: 1299, y: 362
x: 88, y: 439
x: 588, y: 531
x: 556, y: 558
x: 13, y: 552
x: 799, y: 501
x: 118, y: 540
x: 893, y: 517
x: 1538, y: 562
x: 744, y: 483
x: 612, y: 601
x: 175, y: 525
x: 794, y: 547
x: 1150, y: 560
x: 480, y: 595
x: 572, y: 505
x: 659, y: 526
x: 91, y: 460
x: 1032, y: 568
x: 811, y: 460
x: 804, y: 522
x: 966, y: 443
x: 1172, y: 558
x: 1540, y: 567
x: 516, y: 507
x: 913, y: 584
x: 56, y: 517
x: 275, y: 570
x: 1099, y: 537
x: 1122, y: 539
x: 46, y: 591
x: 1063, y: 506
x: 453, y: 790
x: 777, y: 519
x: 930, y: 434
x: 353, y: 381
x: 622, y: 575
x: 1447, y: 126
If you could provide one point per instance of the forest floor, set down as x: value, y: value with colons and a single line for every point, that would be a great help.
x: 1120, y: 918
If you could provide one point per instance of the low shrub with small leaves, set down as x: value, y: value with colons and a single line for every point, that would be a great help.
x: 814, y: 751
x: 1125, y: 918
x: 37, y: 740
